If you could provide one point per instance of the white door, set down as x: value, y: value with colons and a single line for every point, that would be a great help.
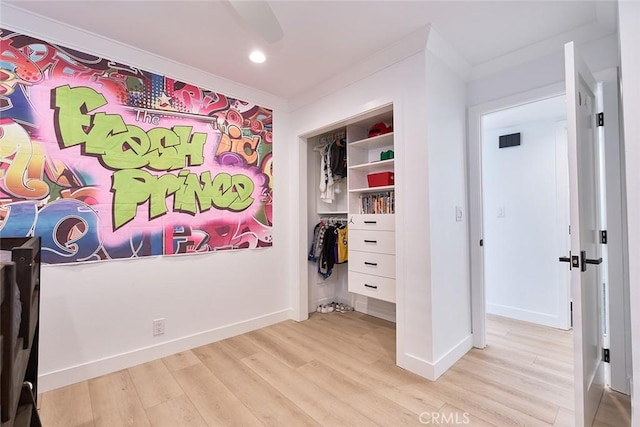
x: 585, y: 244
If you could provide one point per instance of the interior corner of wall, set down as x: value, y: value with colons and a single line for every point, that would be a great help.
x: 443, y: 50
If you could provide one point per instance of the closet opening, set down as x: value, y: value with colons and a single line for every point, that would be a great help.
x: 350, y: 217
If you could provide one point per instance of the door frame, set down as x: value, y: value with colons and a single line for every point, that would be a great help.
x: 619, y: 321
x: 478, y: 301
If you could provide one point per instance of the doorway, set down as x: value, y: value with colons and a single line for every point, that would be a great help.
x: 615, y: 283
x: 525, y: 202
x: 524, y: 210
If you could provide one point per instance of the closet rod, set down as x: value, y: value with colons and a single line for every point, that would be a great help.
x: 333, y: 218
x: 328, y: 139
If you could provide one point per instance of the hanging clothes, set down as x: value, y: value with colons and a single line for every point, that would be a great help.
x: 343, y: 245
x: 338, y: 155
x: 328, y: 247
x: 327, y: 190
x: 333, y: 168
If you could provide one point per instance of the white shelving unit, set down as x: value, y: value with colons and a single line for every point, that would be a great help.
x: 364, y: 156
x: 371, y: 236
x: 365, y: 190
x: 367, y: 280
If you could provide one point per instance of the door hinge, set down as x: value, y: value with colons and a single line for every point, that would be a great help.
x: 481, y: 242
x: 603, y: 237
x: 606, y: 357
x: 600, y: 119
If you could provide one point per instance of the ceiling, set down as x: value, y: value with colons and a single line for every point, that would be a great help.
x: 323, y: 38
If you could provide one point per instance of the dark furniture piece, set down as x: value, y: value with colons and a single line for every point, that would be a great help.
x: 19, y: 329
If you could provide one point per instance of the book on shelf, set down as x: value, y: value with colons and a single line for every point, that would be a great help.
x: 377, y: 203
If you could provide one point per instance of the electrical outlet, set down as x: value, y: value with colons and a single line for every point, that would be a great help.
x: 458, y: 214
x: 158, y: 327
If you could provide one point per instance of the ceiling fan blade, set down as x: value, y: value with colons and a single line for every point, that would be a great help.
x: 260, y: 17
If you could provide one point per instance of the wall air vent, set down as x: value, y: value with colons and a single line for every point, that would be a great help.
x: 511, y: 140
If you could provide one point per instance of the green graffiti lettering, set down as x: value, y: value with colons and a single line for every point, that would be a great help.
x: 127, y: 149
x: 133, y: 187
x: 121, y: 146
x: 223, y: 195
x: 162, y: 155
x: 192, y: 194
x: 232, y: 192
x: 72, y: 123
x: 191, y: 145
x: 243, y: 187
x: 129, y: 189
x: 197, y: 194
x: 103, y: 127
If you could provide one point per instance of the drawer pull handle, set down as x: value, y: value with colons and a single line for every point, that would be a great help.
x: 371, y: 263
x: 371, y: 222
x: 371, y: 241
x: 370, y: 286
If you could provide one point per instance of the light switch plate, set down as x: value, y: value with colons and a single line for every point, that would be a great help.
x: 458, y: 214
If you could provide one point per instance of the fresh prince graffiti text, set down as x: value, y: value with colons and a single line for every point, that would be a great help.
x: 126, y: 149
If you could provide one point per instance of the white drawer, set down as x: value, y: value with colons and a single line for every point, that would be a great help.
x: 373, y: 286
x: 383, y: 242
x: 372, y: 263
x: 372, y: 222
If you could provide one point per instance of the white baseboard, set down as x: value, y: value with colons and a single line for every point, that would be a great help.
x: 417, y: 365
x: 376, y: 308
x: 433, y: 370
x: 524, y: 315
x: 452, y: 356
x: 63, y: 377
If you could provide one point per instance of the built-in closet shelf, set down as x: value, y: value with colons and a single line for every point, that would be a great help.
x: 374, y: 166
x: 373, y: 142
x: 333, y: 213
x: 372, y: 189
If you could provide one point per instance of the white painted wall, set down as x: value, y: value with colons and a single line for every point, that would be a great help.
x: 629, y: 31
x: 97, y: 318
x: 526, y: 222
x: 449, y: 238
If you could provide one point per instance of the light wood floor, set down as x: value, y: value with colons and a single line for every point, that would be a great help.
x: 336, y: 369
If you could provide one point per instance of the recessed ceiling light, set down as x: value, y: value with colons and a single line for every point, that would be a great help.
x: 257, y: 57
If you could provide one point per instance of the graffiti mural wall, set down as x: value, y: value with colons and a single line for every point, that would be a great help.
x: 104, y: 160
